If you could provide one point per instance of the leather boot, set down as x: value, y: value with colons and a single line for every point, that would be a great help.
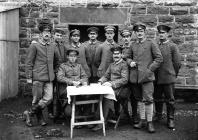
x: 27, y: 117
x: 40, y: 118
x: 139, y: 125
x: 150, y: 127
x: 171, y: 124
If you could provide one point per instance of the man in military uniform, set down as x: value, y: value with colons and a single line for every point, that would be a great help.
x: 116, y: 77
x: 166, y: 75
x: 54, y: 107
x: 126, y: 42
x: 75, y: 43
x: 41, y: 58
x: 103, y: 56
x: 143, y: 58
x: 90, y: 50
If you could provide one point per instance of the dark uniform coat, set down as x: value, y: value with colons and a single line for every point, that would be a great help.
x: 148, y: 57
x: 169, y: 68
x: 104, y: 57
x: 40, y: 61
x: 90, y: 51
x: 62, y: 51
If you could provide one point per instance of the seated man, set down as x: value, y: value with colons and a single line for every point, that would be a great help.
x: 116, y: 77
x: 70, y: 73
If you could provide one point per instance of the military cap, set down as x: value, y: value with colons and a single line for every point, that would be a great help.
x: 57, y: 30
x: 45, y: 23
x: 125, y: 32
x: 117, y: 48
x: 163, y: 27
x: 75, y: 32
x: 71, y: 49
x: 109, y: 28
x: 139, y: 26
x: 93, y: 29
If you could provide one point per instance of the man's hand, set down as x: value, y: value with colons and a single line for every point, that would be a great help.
x: 76, y: 83
x: 29, y: 81
x: 133, y: 64
x: 107, y: 84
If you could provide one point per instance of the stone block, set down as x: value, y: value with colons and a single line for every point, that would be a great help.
x: 177, y: 40
x: 180, y: 80
x: 22, y: 68
x: 165, y: 18
x: 22, y: 75
x: 52, y: 15
x: 92, y: 4
x: 78, y: 3
x: 54, y: 9
x: 191, y: 37
x: 149, y: 20
x: 24, y: 43
x: 35, y: 14
x: 185, y: 19
x: 24, y: 11
x: 22, y: 33
x: 192, y: 57
x: 184, y: 71
x: 157, y: 10
x: 179, y: 11
x: 186, y: 47
x: 180, y: 2
x: 138, y: 9
x: 190, y: 81
x: 194, y: 10
x: 35, y: 31
x: 56, y: 21
x: 27, y: 22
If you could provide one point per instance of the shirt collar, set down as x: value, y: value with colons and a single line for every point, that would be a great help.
x: 110, y: 43
x: 143, y: 40
x: 76, y: 46
x: 90, y: 42
x: 43, y: 43
x: 71, y: 65
x: 116, y: 63
x: 163, y: 42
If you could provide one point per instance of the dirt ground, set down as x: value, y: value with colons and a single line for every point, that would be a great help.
x: 12, y: 126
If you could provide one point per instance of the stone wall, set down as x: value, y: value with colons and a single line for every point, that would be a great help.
x: 181, y: 15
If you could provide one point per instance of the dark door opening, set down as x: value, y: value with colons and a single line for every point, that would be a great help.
x: 84, y: 34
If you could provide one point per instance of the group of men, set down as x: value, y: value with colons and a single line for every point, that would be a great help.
x: 142, y: 72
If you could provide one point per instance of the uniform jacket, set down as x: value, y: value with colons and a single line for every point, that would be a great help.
x: 117, y: 74
x: 125, y: 51
x: 169, y: 68
x: 42, y: 60
x: 103, y: 57
x: 90, y: 51
x: 68, y: 73
x: 147, y: 56
x: 82, y: 58
x: 62, y: 51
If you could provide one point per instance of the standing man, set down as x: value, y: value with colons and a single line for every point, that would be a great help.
x: 166, y: 76
x: 126, y: 38
x: 40, y: 61
x: 54, y: 107
x: 90, y: 50
x: 143, y: 58
x: 75, y: 43
x: 104, y: 56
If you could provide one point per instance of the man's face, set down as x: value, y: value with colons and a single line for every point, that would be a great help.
x: 58, y: 37
x: 140, y: 34
x: 126, y: 39
x: 72, y: 57
x: 163, y: 35
x: 92, y: 35
x: 117, y: 55
x: 75, y: 38
x: 109, y: 35
x: 46, y: 34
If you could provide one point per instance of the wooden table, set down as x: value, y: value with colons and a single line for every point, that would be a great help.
x: 103, y: 91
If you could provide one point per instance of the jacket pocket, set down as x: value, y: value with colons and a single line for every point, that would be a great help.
x: 146, y: 76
